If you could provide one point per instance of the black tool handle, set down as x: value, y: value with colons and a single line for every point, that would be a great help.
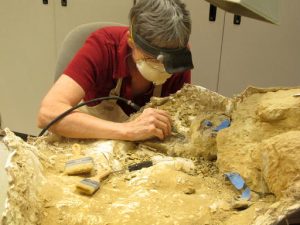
x: 140, y: 165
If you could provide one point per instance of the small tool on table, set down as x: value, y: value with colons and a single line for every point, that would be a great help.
x: 79, y: 165
x: 89, y: 186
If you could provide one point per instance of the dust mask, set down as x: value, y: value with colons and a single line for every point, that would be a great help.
x: 154, y: 72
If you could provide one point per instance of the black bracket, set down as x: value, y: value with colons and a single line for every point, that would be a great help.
x: 237, y: 20
x: 45, y: 2
x: 212, y: 13
x: 64, y: 3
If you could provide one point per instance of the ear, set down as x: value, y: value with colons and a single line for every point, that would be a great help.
x: 130, y: 40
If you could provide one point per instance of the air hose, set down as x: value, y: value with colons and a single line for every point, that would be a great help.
x: 59, y: 117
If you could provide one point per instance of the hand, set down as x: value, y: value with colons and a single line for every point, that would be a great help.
x: 151, y: 123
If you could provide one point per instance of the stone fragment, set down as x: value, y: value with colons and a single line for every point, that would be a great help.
x: 189, y: 191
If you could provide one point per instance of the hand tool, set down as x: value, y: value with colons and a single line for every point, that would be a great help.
x: 80, y: 164
x: 89, y: 186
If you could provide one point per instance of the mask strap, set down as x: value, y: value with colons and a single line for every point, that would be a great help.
x: 157, y: 90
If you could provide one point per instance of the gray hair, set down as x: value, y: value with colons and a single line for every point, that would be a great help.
x: 163, y: 23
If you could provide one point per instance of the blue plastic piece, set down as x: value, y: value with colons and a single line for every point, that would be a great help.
x: 207, y: 123
x: 246, y: 194
x: 238, y: 182
x: 224, y: 124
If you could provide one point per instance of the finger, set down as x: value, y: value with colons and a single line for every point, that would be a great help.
x: 163, y: 127
x: 165, y: 114
x: 165, y: 123
x: 156, y: 132
x: 152, y: 114
x: 160, y: 111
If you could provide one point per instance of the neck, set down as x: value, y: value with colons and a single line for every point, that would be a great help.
x: 139, y: 84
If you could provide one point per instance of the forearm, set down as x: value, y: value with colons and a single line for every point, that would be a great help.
x: 80, y: 125
x: 151, y: 123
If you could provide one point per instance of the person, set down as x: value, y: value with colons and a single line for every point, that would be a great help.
x: 149, y: 58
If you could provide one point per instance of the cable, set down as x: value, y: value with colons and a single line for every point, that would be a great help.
x: 59, y: 117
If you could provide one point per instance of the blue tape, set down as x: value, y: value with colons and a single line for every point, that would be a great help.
x: 207, y: 123
x: 246, y: 194
x: 238, y: 182
x: 224, y: 124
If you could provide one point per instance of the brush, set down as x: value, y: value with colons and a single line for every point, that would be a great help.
x: 79, y: 165
x: 89, y: 186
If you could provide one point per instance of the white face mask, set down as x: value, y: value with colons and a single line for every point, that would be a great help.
x: 154, y: 72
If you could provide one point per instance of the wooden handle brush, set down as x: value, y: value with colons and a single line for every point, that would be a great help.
x: 89, y: 186
x: 79, y: 164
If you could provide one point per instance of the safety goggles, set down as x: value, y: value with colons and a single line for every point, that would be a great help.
x: 174, y: 60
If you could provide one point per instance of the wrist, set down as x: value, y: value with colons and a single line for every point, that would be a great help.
x: 110, y: 130
x: 126, y: 132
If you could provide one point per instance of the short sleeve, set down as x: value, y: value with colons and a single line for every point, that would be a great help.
x: 89, y: 61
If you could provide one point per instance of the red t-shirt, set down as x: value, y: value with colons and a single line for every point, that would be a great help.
x: 103, y: 59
